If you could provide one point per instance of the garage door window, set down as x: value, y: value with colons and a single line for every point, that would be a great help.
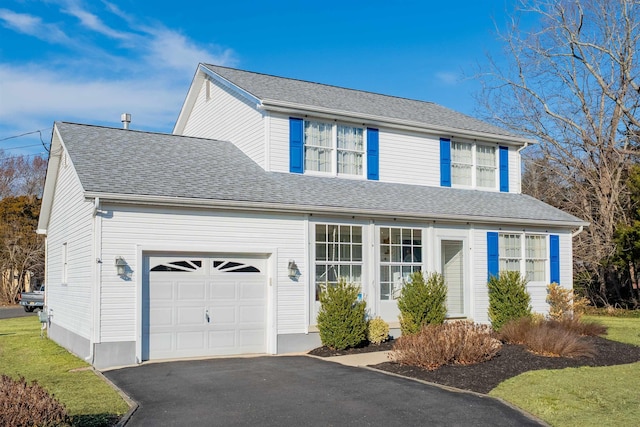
x: 234, y: 267
x: 179, y: 266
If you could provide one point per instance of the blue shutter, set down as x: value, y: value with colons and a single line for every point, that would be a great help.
x: 373, y: 162
x: 445, y: 162
x: 554, y: 258
x: 296, y: 147
x: 504, y: 169
x: 493, y: 260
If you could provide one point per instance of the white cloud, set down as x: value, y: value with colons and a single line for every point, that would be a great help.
x: 93, y: 22
x: 448, y: 78
x: 147, y: 74
x: 169, y: 48
x: 32, y: 26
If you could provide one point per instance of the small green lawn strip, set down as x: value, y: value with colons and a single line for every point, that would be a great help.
x: 88, y: 398
x: 586, y: 396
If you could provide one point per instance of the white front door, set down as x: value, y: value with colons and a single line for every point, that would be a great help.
x: 203, y: 306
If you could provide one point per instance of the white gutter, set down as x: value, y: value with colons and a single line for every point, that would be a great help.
x: 321, y: 112
x: 578, y: 231
x: 234, y: 205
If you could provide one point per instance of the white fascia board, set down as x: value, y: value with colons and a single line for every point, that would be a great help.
x: 234, y: 205
x: 56, y: 150
x: 229, y: 85
x: 189, y: 102
x: 293, y: 108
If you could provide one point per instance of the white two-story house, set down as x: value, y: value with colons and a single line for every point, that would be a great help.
x: 218, y: 239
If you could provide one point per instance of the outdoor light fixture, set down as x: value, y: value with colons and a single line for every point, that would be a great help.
x: 293, y: 269
x: 121, y: 266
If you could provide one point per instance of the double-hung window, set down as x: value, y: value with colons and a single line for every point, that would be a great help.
x: 473, y: 165
x: 333, y: 148
x: 525, y: 253
x: 400, y: 255
x: 338, y: 255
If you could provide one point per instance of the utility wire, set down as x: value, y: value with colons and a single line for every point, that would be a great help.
x: 39, y: 132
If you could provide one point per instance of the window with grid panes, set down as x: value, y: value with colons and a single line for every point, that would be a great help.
x: 473, y: 164
x: 530, y: 260
x: 338, y: 254
x: 400, y: 255
x: 328, y: 144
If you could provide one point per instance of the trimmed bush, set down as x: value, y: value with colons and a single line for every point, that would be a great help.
x: 422, y: 302
x: 341, y: 320
x: 546, y: 337
x: 377, y: 330
x: 461, y: 343
x: 563, y: 303
x: 508, y: 298
x: 23, y: 404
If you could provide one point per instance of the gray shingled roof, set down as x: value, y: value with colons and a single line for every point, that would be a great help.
x: 127, y: 162
x: 272, y: 88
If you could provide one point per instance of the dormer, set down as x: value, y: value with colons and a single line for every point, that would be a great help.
x: 293, y: 126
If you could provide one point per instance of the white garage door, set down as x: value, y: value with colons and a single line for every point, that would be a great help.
x: 204, y: 306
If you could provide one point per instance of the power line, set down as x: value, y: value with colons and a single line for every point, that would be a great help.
x: 39, y: 132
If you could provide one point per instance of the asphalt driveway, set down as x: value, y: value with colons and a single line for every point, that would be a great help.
x: 14, y: 311
x: 297, y: 390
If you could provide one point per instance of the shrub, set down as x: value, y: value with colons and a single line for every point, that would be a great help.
x: 546, y: 337
x: 422, y: 302
x: 377, y: 330
x: 341, y: 320
x: 23, y: 404
x: 563, y: 303
x: 461, y: 343
x: 581, y: 327
x: 508, y: 298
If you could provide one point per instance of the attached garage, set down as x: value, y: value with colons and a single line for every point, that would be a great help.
x: 195, y: 306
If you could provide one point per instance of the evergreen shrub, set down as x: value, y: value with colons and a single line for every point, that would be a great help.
x: 422, y: 302
x: 377, y: 330
x: 508, y: 298
x: 341, y: 320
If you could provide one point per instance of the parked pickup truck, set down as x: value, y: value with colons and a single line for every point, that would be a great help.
x: 32, y: 300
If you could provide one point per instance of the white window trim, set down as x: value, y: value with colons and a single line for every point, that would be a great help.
x: 523, y: 254
x: 474, y: 165
x: 334, y: 150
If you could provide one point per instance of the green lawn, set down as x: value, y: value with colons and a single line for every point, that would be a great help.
x: 87, y: 397
x: 604, y: 396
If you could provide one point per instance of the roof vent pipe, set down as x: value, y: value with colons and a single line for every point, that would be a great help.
x: 125, y: 118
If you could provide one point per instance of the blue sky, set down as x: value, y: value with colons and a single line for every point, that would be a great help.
x: 90, y: 61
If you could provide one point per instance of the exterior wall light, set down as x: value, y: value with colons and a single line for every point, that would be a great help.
x: 121, y: 266
x: 292, y: 269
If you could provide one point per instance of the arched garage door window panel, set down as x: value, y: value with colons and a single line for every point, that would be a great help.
x: 179, y: 266
x: 234, y: 267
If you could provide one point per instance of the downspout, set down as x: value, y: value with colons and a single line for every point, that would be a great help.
x: 95, y: 298
x: 578, y: 231
x: 526, y: 144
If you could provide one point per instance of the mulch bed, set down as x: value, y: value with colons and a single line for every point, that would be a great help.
x: 510, y: 361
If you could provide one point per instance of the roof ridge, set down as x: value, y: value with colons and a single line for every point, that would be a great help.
x: 149, y: 132
x: 330, y: 85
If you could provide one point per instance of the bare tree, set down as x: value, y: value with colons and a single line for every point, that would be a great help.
x: 572, y: 82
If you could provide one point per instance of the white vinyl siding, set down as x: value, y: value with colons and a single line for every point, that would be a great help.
x: 183, y: 230
x: 229, y: 117
x: 69, y: 293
